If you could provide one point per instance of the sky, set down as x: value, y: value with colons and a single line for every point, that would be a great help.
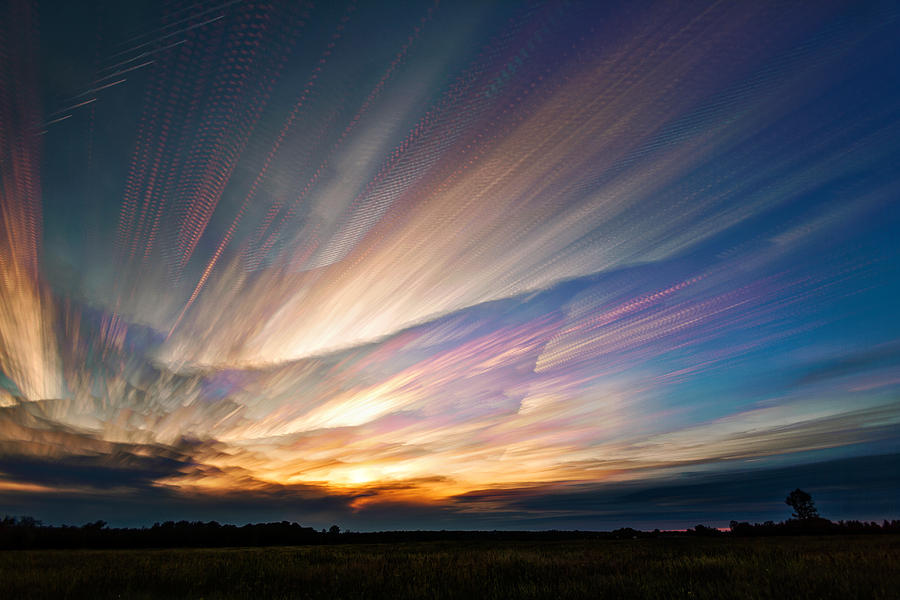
x: 449, y: 265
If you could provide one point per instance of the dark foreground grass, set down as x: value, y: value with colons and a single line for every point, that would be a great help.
x: 818, y: 567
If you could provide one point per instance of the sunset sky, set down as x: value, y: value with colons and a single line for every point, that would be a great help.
x: 449, y: 265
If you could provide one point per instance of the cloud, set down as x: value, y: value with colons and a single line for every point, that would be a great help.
x: 857, y: 487
x: 884, y: 356
x: 109, y: 471
x: 505, y: 248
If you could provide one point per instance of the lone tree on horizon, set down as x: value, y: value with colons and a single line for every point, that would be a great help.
x: 803, y: 505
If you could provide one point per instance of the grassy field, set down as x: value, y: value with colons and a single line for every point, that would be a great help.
x: 818, y: 567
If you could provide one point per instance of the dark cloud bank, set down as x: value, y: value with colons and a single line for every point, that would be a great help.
x: 865, y: 488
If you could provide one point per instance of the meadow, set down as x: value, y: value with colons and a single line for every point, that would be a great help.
x: 778, y: 567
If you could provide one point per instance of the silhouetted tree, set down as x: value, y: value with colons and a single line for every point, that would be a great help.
x: 704, y: 530
x: 803, y: 505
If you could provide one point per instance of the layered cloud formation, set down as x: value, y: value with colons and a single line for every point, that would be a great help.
x: 432, y: 264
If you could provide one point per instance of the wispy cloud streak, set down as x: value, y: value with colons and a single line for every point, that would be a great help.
x: 508, y: 248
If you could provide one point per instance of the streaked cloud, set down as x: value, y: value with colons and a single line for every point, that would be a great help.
x: 508, y: 252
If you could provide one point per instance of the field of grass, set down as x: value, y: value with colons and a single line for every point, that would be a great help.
x: 813, y: 567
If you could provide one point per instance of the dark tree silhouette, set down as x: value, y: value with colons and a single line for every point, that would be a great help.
x: 803, y: 505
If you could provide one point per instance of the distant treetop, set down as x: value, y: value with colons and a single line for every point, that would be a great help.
x: 803, y: 505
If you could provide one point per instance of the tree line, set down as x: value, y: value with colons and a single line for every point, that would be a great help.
x: 27, y: 532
